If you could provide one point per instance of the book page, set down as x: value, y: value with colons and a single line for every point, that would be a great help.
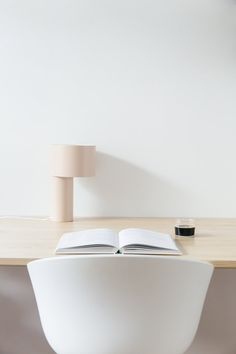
x: 92, y: 237
x: 142, y: 237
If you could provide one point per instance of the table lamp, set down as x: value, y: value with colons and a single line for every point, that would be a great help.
x: 69, y: 161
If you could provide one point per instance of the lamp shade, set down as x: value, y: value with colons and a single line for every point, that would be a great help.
x: 73, y: 160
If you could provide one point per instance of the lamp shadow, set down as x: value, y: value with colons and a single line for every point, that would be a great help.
x: 121, y: 188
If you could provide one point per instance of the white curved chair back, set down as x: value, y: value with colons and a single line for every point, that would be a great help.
x: 119, y: 304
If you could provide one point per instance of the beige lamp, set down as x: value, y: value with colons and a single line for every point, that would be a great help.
x: 69, y: 161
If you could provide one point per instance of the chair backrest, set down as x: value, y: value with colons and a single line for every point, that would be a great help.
x: 119, y: 304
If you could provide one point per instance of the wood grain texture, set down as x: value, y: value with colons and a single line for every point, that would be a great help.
x: 24, y: 240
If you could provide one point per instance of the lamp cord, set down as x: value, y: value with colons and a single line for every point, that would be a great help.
x: 22, y: 217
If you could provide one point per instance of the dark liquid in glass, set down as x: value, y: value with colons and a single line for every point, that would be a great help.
x: 184, y: 230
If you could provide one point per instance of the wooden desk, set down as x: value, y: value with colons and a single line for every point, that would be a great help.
x: 24, y: 240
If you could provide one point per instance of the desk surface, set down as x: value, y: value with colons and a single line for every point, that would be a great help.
x: 24, y: 240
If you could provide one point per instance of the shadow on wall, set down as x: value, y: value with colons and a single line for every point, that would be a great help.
x: 121, y: 188
x: 216, y: 332
x: 20, y: 328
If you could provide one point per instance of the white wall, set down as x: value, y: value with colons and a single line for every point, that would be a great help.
x: 151, y: 83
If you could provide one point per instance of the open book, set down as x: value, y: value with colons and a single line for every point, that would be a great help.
x: 131, y: 241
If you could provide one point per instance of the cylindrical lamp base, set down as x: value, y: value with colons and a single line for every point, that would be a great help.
x: 62, y: 199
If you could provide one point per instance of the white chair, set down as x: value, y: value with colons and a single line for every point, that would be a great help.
x: 119, y: 304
